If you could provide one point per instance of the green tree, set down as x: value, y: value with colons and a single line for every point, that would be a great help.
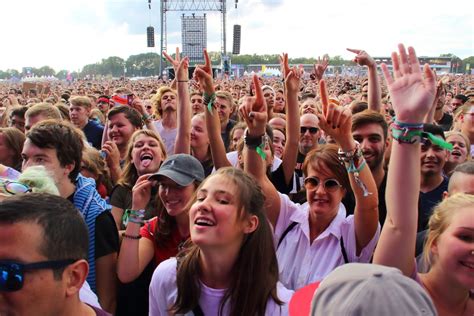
x: 143, y: 65
x: 113, y: 66
x: 62, y: 74
x: 468, y: 61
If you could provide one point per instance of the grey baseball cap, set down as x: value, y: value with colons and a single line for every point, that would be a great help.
x: 370, y: 289
x: 181, y: 168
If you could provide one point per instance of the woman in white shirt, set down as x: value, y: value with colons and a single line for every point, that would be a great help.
x: 230, y: 268
x: 323, y: 237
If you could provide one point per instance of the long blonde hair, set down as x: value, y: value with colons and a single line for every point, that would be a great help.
x: 441, y: 219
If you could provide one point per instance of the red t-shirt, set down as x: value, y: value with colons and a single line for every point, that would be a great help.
x: 167, y: 251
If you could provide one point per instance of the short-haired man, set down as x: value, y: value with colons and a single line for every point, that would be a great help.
x: 103, y: 104
x: 225, y: 107
x: 79, y: 113
x: 17, y: 117
x: 43, y: 257
x: 196, y: 102
x: 433, y: 182
x: 58, y: 147
x: 309, y: 139
x: 457, y: 101
x: 40, y: 112
x: 370, y: 129
x: 165, y: 101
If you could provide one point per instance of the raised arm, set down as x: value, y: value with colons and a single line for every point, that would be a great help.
x: 254, y: 112
x: 135, y: 252
x: 412, y: 96
x: 183, y: 136
x: 292, y: 84
x: 336, y: 121
x: 203, y: 74
x: 374, y: 99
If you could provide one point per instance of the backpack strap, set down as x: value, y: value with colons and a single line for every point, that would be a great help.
x: 287, y: 230
x: 344, y: 253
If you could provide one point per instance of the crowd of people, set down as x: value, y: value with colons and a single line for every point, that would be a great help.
x: 298, y: 195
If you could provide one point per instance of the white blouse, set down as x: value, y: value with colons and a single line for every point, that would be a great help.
x: 301, y: 263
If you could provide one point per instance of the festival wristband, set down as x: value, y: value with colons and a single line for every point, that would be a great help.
x: 209, y: 100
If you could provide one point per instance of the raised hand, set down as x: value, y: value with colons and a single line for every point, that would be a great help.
x: 292, y: 75
x: 320, y: 67
x: 254, y: 110
x: 335, y: 120
x: 203, y: 74
x: 410, y: 93
x: 284, y: 66
x: 180, y: 66
x: 362, y: 58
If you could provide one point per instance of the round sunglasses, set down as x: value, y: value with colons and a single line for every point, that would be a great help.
x: 330, y: 185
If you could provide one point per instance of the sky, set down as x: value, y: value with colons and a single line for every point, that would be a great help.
x: 70, y: 34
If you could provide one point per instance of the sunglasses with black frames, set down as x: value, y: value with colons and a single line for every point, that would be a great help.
x: 12, y: 273
x: 312, y: 130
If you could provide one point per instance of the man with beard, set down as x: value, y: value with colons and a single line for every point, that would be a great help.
x: 433, y: 182
x: 370, y: 129
x: 309, y: 139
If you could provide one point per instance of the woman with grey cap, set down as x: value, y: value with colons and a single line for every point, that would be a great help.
x: 449, y: 247
x: 161, y: 237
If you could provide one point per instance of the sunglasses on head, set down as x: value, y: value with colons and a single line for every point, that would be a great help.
x: 12, y: 273
x: 312, y: 130
x: 330, y: 185
x: 13, y: 187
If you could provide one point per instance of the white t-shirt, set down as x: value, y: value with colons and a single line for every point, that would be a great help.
x: 301, y: 263
x: 167, y: 135
x: 163, y: 293
x: 87, y: 296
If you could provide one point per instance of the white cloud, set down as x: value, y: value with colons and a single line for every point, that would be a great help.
x: 70, y: 34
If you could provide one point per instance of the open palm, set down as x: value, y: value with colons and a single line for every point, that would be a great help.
x: 411, y: 94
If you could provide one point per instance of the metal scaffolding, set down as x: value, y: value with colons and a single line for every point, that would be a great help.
x: 195, y: 6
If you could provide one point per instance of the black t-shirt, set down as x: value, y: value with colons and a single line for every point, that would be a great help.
x: 277, y: 177
x: 106, y: 234
x: 429, y: 200
x: 446, y: 122
x: 382, y: 205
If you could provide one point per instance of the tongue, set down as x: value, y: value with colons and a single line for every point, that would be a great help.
x: 146, y: 162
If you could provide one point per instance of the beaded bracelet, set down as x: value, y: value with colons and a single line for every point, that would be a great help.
x: 124, y: 235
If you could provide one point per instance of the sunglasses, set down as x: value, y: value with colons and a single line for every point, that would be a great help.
x: 12, y: 274
x: 330, y: 185
x: 312, y: 130
x: 13, y: 187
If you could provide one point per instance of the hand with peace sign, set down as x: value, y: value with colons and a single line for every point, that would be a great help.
x: 180, y: 66
x: 292, y: 75
x: 203, y: 74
